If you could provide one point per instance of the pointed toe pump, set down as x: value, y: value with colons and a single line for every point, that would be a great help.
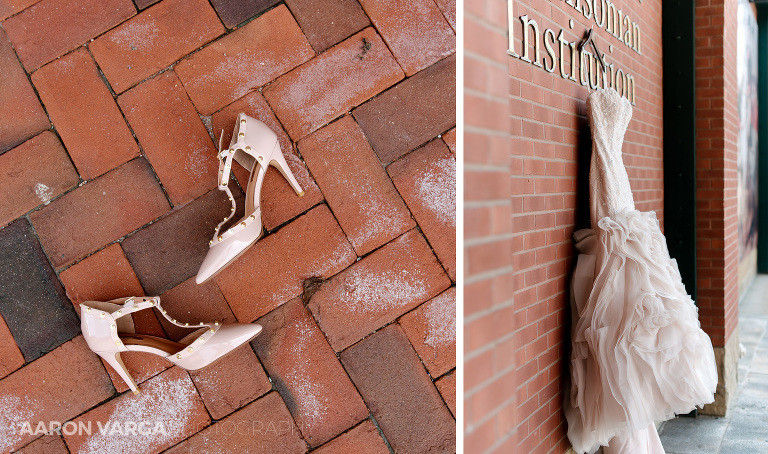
x: 255, y: 147
x: 109, y: 330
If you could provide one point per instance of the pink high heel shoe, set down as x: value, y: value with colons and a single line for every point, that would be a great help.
x: 108, y: 329
x: 255, y: 147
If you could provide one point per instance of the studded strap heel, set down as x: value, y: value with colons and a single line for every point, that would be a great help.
x: 109, y: 330
x: 255, y: 147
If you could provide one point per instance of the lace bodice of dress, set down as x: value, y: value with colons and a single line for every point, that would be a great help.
x: 609, y: 115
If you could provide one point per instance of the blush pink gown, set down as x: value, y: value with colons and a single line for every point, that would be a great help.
x: 638, y: 351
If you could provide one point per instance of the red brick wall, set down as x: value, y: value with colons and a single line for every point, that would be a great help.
x: 488, y: 345
x: 549, y: 166
x: 717, y: 125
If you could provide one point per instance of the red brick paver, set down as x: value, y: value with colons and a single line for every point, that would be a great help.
x: 402, y: 398
x: 56, y: 387
x: 103, y: 276
x: 295, y: 353
x: 32, y: 174
x: 99, y: 212
x: 21, y: 115
x: 426, y: 179
x: 272, y: 271
x: 377, y: 289
x: 153, y: 40
x: 232, y: 12
x: 244, y: 60
x: 357, y: 188
x: 447, y: 387
x: 85, y: 114
x: 263, y: 426
x: 363, y: 439
x: 415, y: 30
x: 47, y: 444
x: 169, y: 400
x: 329, y: 85
x: 233, y: 382
x: 411, y: 113
x: 11, y: 7
x: 326, y: 22
x: 51, y: 28
x: 431, y: 328
x: 173, y: 137
x: 448, y: 7
x: 142, y: 4
x: 10, y: 355
x: 450, y: 139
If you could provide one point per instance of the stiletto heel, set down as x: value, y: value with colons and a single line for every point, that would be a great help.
x: 255, y: 147
x: 278, y: 160
x: 108, y: 330
x: 114, y: 360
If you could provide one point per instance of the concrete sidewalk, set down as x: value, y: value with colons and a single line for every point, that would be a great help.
x: 745, y: 427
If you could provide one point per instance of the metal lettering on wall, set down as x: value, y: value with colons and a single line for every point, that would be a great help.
x: 587, y: 68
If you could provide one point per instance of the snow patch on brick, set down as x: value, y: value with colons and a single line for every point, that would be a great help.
x: 307, y: 392
x: 15, y: 412
x: 437, y: 189
x: 379, y: 219
x: 364, y: 291
x: 245, y: 68
x: 195, y: 164
x: 137, y: 35
x: 44, y: 193
x: 441, y: 322
x: 161, y: 400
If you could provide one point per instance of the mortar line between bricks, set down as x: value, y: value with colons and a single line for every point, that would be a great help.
x: 170, y: 66
x: 421, y: 231
x: 495, y: 308
x: 498, y: 272
x: 483, y: 240
x: 376, y: 425
x: 218, y: 16
x: 274, y: 382
x: 424, y: 368
x: 483, y: 59
x: 114, y: 396
x: 51, y: 128
x: 197, y: 390
x: 22, y: 448
x: 53, y: 268
x: 346, y: 431
x: 486, y: 131
x: 19, y: 12
x: 578, y: 114
x: 380, y: 35
x: 120, y: 239
x: 445, y: 19
x: 344, y: 368
x: 489, y: 203
x: 130, y: 128
x: 142, y: 153
x: 338, y: 358
x: 484, y: 21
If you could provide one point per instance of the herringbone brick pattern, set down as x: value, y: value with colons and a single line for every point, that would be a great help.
x: 110, y: 112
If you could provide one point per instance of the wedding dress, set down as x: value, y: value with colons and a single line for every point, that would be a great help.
x: 638, y: 351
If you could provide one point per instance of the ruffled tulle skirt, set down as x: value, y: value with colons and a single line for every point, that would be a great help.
x: 638, y: 351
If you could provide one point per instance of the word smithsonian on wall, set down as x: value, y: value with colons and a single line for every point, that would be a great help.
x: 570, y: 60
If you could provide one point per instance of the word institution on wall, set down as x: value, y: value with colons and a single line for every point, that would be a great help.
x: 551, y: 51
